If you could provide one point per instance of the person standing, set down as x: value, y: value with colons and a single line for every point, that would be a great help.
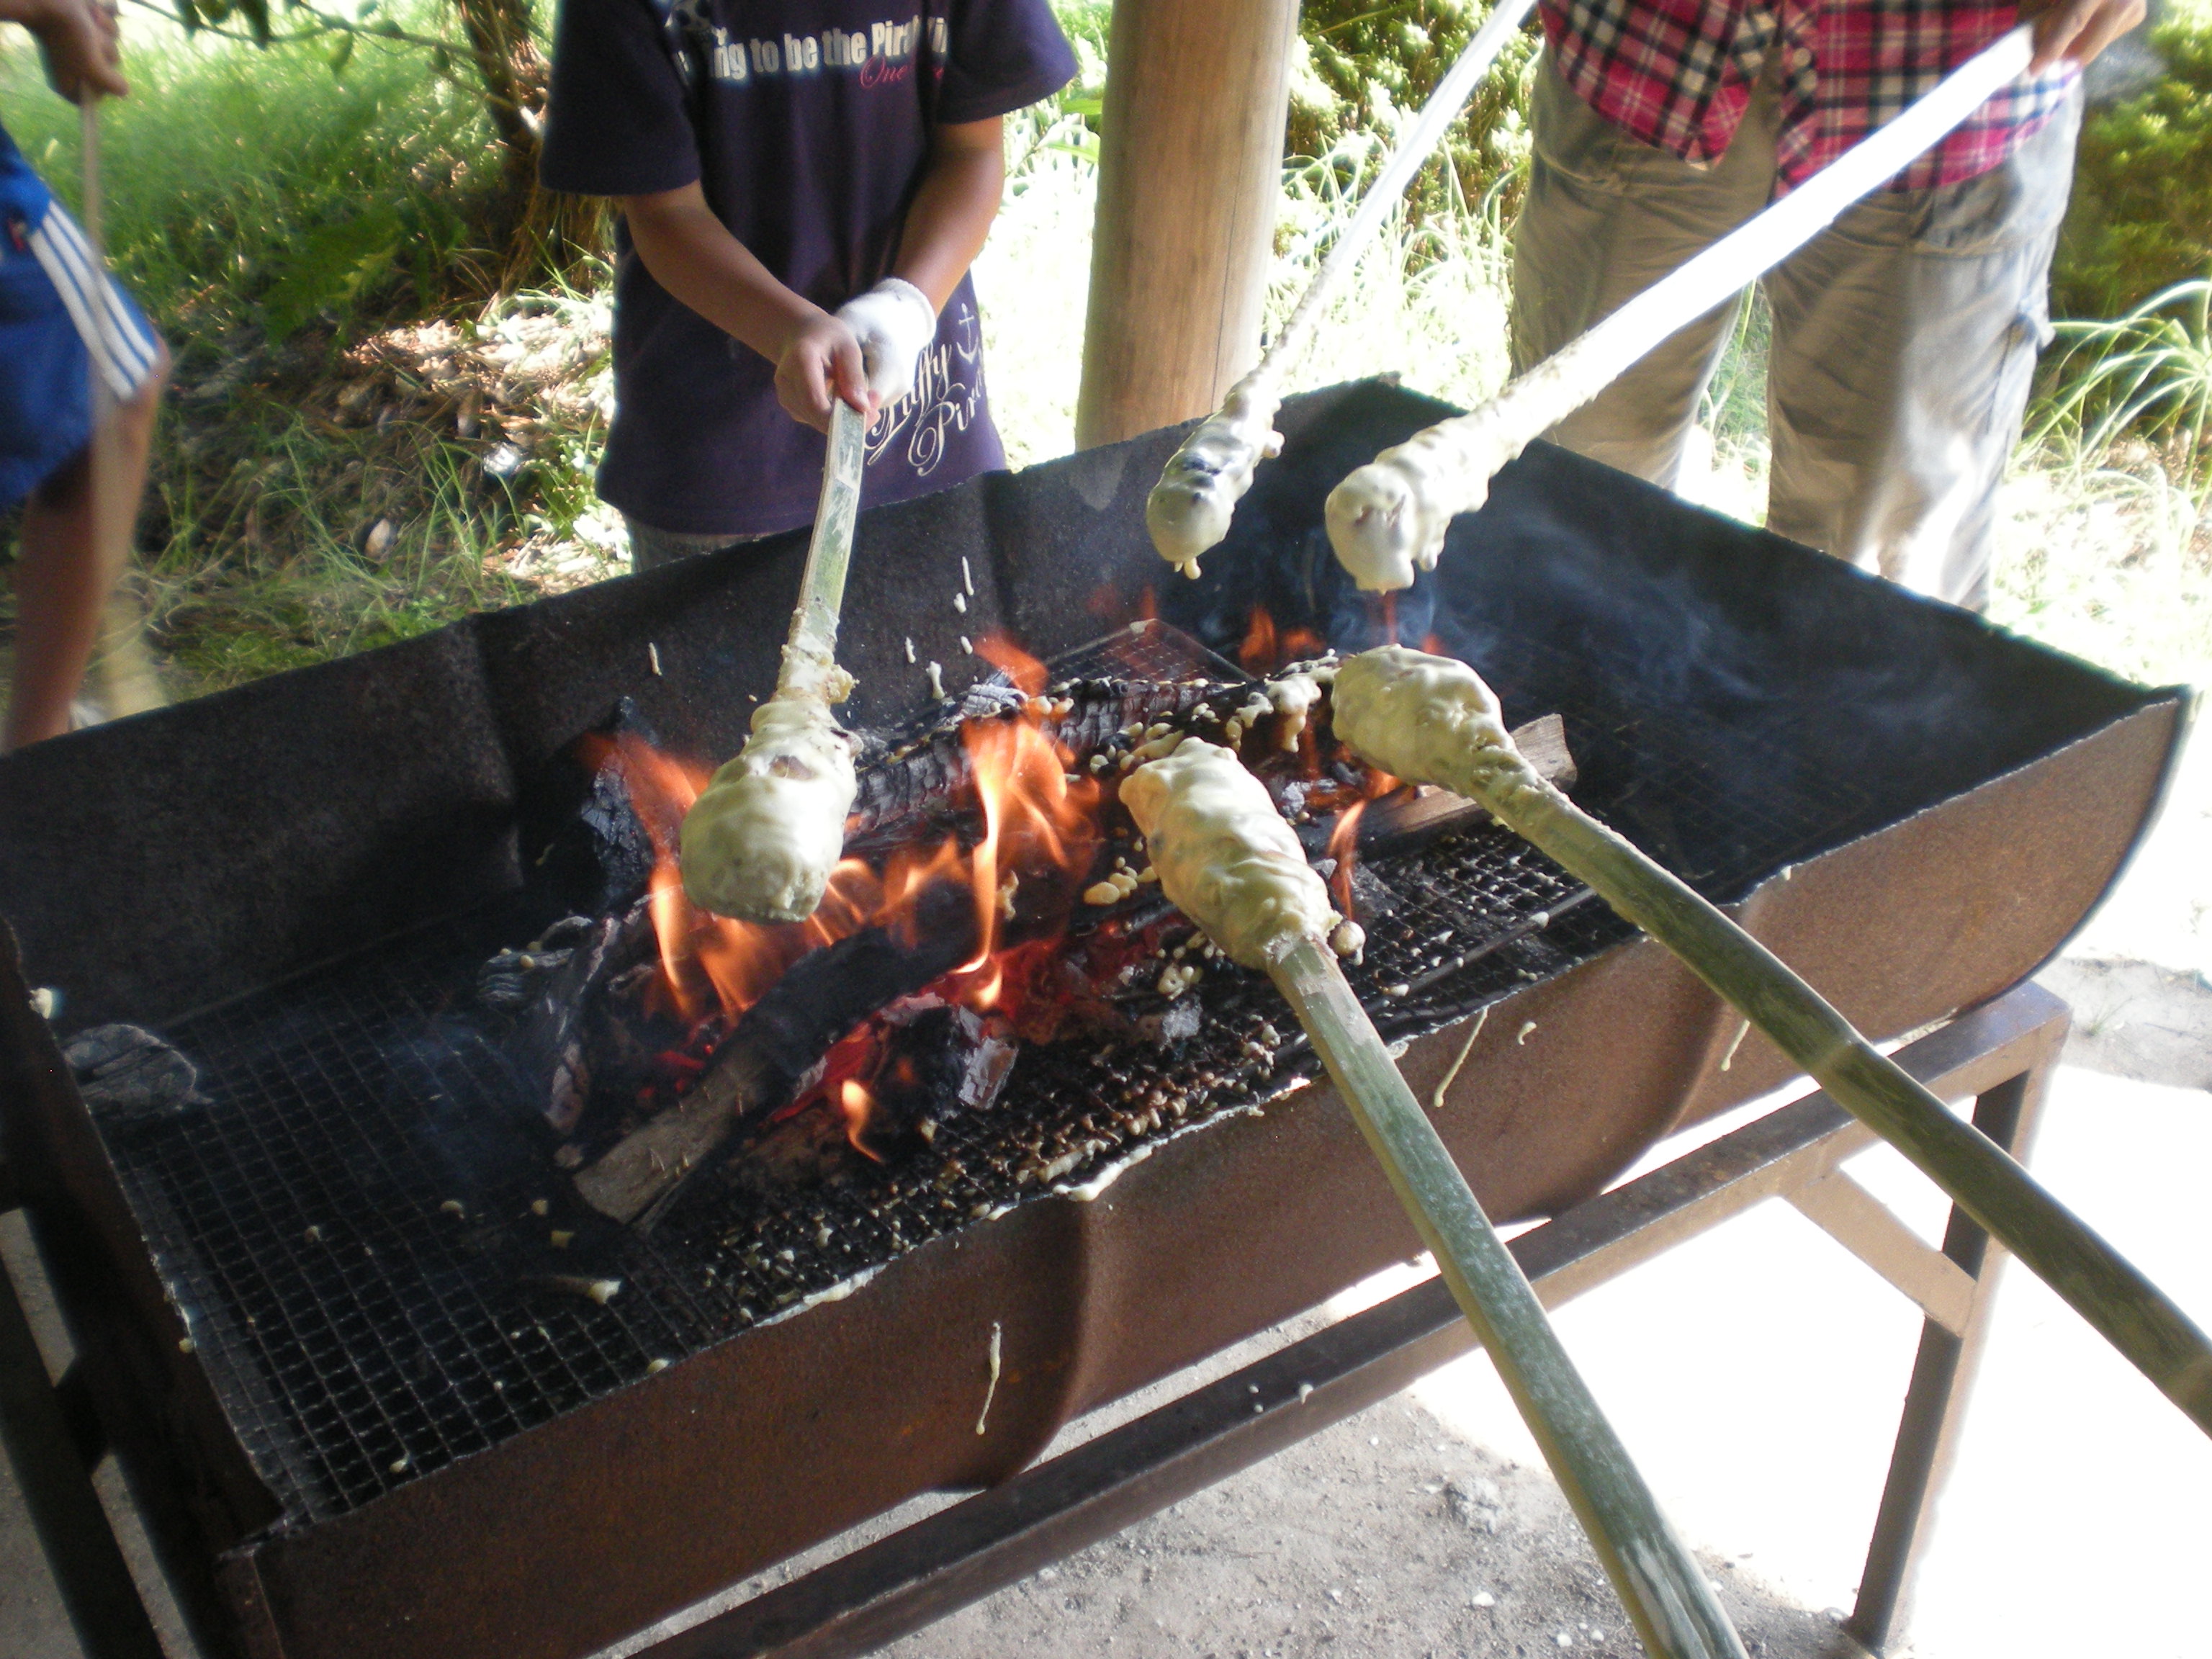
x: 803, y: 184
x: 1904, y: 335
x: 63, y: 319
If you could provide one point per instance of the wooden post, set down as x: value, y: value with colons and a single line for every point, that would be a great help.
x: 1197, y: 94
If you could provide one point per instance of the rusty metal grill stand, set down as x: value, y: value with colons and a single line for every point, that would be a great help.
x: 2002, y: 1055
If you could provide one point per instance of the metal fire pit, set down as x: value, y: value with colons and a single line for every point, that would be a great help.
x: 347, y: 1422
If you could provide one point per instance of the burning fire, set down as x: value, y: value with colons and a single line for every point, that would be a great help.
x: 1014, y: 871
x: 1022, y: 871
x: 1266, y: 648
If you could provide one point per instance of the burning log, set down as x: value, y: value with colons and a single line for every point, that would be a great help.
x: 778, y: 1042
x: 1027, y: 915
x: 1433, y: 719
x: 562, y: 985
x: 882, y: 1094
x: 1233, y: 865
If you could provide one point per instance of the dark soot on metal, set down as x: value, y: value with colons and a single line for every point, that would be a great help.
x: 384, y: 1268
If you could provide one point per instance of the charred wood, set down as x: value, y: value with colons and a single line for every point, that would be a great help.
x: 774, y: 1047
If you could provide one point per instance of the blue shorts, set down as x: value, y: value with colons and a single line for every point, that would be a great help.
x: 58, y: 317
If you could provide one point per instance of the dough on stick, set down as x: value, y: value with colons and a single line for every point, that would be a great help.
x: 1225, y: 855
x: 1189, y: 509
x: 1388, y: 519
x: 762, y: 838
x: 1425, y: 720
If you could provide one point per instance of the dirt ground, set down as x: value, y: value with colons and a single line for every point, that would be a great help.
x: 1387, y: 1535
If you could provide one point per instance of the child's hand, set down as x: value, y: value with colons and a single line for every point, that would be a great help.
x: 822, y: 360
x: 81, y: 45
x: 896, y: 323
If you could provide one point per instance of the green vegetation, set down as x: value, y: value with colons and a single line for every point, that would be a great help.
x: 2140, y: 219
x: 361, y: 445
x: 247, y: 192
x: 2145, y: 376
x: 1367, y: 67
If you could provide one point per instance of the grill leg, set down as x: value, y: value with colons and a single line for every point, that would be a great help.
x: 1942, y: 1376
x: 81, y: 1551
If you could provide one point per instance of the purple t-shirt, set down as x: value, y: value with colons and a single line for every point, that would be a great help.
x: 807, y: 125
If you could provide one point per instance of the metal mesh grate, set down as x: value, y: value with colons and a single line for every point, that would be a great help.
x: 340, y: 1222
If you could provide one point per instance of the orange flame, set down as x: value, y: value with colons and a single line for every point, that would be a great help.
x: 1024, y: 669
x: 1039, y: 826
x: 1434, y: 644
x: 1344, y: 848
x: 1258, y: 654
x: 1017, y: 863
x: 856, y: 1102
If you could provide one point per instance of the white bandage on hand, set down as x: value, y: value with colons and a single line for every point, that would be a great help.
x: 895, y: 324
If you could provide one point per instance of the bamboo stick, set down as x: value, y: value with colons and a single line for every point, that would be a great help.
x: 1659, y: 1582
x: 1190, y: 508
x: 813, y: 638
x: 1431, y: 719
x: 1388, y: 518
x: 1231, y: 864
x: 121, y: 666
x: 761, y: 840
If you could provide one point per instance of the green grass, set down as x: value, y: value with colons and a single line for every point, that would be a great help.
x: 275, y: 218
x: 245, y: 188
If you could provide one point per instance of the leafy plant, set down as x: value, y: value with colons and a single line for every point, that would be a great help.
x: 1367, y: 67
x: 2141, y: 217
x: 2148, y: 372
x: 251, y: 191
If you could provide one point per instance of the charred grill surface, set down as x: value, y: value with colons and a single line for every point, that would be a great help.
x: 387, y: 1271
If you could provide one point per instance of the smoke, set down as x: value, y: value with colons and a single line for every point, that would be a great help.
x: 1734, y: 702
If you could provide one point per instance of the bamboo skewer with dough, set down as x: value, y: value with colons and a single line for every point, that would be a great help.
x: 1431, y: 719
x: 1389, y: 517
x: 1228, y: 860
x: 762, y: 839
x: 1189, y: 509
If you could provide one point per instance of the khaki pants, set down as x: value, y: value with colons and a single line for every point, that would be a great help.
x: 1904, y: 335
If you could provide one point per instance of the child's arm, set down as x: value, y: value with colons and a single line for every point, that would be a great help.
x: 691, y: 253
x: 78, y: 39
x: 952, y: 212
x: 944, y: 230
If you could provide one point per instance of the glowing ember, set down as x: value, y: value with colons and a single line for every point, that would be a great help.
x: 1005, y: 895
x: 1039, y: 833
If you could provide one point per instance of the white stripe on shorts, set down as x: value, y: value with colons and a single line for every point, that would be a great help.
x: 113, y: 339
x: 134, y: 343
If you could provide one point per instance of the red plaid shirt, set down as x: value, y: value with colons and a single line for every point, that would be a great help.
x: 1677, y: 74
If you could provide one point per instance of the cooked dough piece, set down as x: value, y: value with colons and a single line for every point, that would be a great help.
x: 1225, y: 855
x: 1189, y: 509
x: 761, y: 839
x: 1388, y: 518
x: 1426, y: 719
